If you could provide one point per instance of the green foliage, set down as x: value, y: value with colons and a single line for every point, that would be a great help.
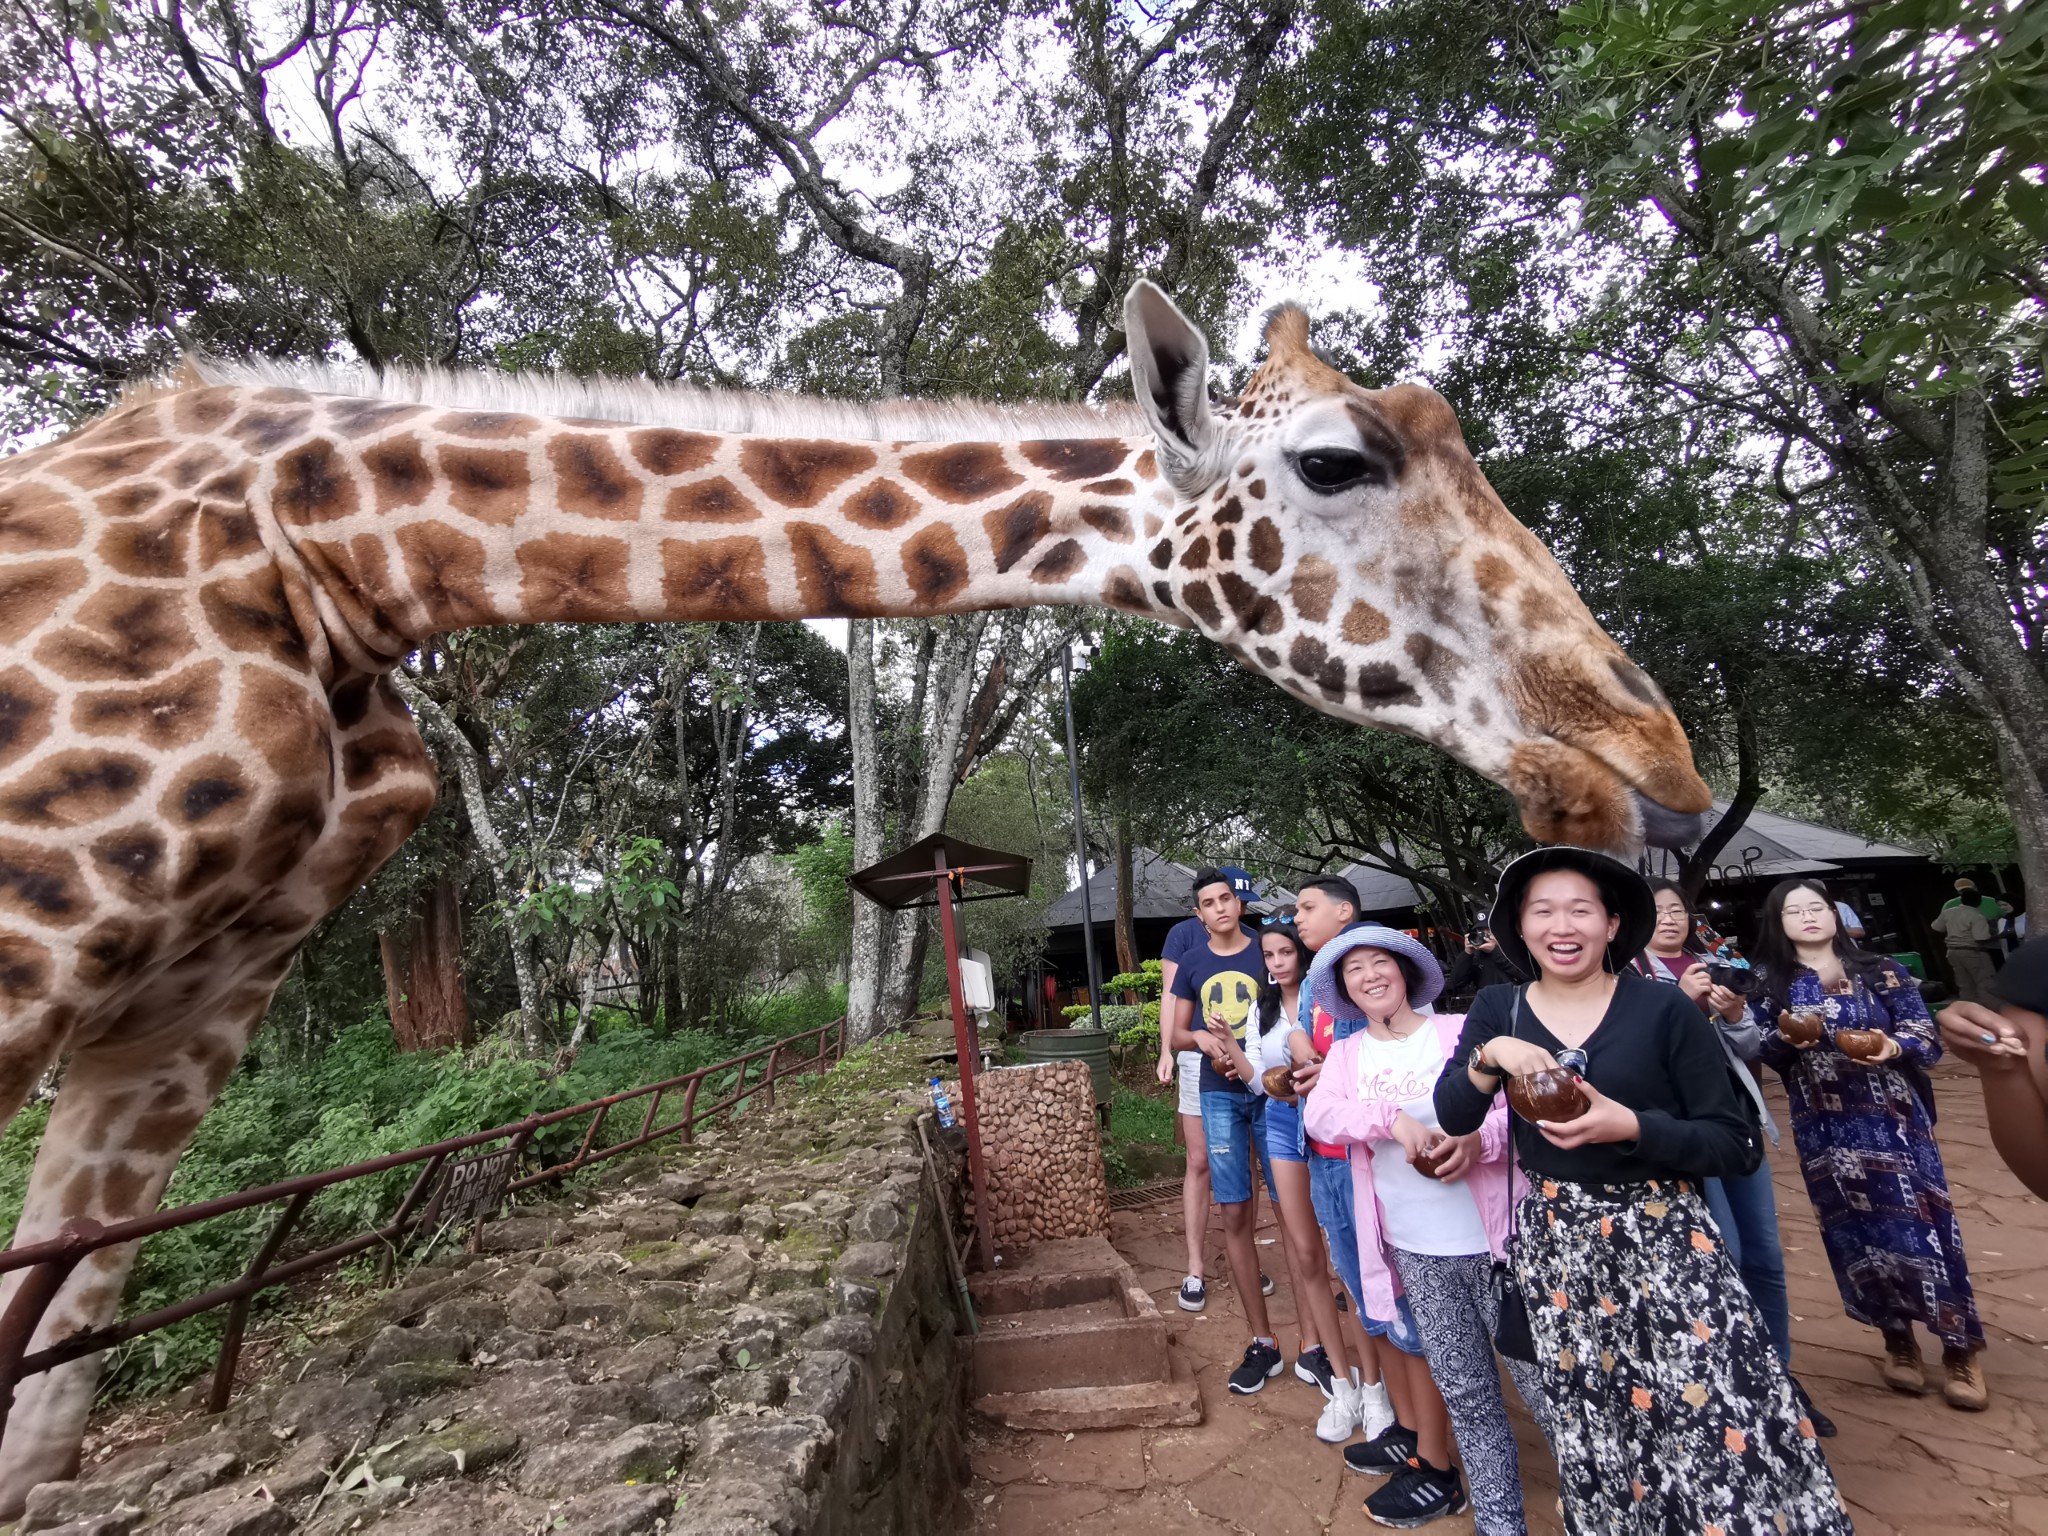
x: 1146, y: 980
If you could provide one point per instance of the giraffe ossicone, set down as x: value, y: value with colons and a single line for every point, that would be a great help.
x: 203, y: 591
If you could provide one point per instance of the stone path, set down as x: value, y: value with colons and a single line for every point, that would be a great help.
x: 1906, y: 1465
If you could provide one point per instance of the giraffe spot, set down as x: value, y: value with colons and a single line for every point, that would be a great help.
x: 1307, y: 655
x: 934, y: 564
x: 1110, y: 522
x: 207, y: 862
x: 96, y: 468
x: 833, y: 578
x: 1381, y: 686
x: 1245, y: 468
x: 365, y: 417
x: 292, y: 825
x: 1438, y: 664
x: 488, y: 484
x: 350, y: 700
x: 1231, y: 511
x: 356, y: 577
x: 885, y: 504
x: 131, y: 859
x: 119, y: 634
x: 1153, y: 523
x: 1161, y: 554
x: 373, y: 755
x: 24, y: 968
x: 1147, y: 465
x: 251, y: 613
x: 486, y: 425
x: 34, y: 518
x: 716, y: 500
x: 191, y: 466
x: 30, y: 592
x: 1060, y: 562
x: 1493, y: 575
x: 72, y: 789
x: 1122, y: 589
x: 792, y: 472
x: 1330, y: 679
x: 963, y: 472
x: 1226, y: 544
x: 152, y: 546
x: 590, y: 481
x: 1365, y: 624
x: 445, y: 570
x: 286, y: 722
x: 1196, y: 556
x: 1186, y: 516
x: 230, y: 484
x: 1164, y: 592
x: 313, y: 485
x: 203, y: 411
x: 1014, y: 530
x: 399, y: 475
x: 661, y: 451
x: 113, y: 950
x: 1075, y: 458
x: 1255, y: 611
x: 1268, y: 548
x: 570, y: 578
x: 264, y: 432
x: 1268, y: 657
x: 1314, y: 584
x: 1478, y: 713
x: 714, y: 579
x: 42, y: 885
x: 368, y: 832
x: 1112, y: 488
x: 1201, y: 602
x: 25, y: 711
x: 212, y: 789
x: 1256, y: 490
x: 225, y: 534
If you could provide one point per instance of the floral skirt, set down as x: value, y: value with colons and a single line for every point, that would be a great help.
x: 1669, y: 1410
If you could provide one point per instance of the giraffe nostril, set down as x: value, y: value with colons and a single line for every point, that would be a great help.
x: 1640, y: 684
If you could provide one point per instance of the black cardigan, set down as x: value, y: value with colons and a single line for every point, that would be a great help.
x: 1655, y: 1052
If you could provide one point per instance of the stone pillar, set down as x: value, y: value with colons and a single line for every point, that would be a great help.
x: 1045, y: 1173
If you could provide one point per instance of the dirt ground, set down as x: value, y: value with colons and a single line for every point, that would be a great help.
x: 1906, y: 1465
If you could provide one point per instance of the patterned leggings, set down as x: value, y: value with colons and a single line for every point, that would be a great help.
x: 1455, y: 1309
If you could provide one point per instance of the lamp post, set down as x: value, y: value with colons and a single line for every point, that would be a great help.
x: 1080, y: 835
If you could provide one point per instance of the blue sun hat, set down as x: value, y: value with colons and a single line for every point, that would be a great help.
x: 1425, y: 976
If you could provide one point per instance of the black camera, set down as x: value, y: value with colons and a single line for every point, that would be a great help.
x: 1739, y: 979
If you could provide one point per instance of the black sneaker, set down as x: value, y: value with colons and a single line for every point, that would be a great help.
x: 1823, y: 1426
x: 1386, y: 1452
x: 1313, y: 1367
x: 1193, y: 1294
x: 1265, y: 1283
x: 1416, y: 1495
x: 1261, y: 1361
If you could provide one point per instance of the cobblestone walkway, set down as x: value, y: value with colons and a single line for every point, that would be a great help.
x: 1908, y: 1466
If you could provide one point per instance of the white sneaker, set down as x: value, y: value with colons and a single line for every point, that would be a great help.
x: 1375, y: 1409
x: 1340, y: 1414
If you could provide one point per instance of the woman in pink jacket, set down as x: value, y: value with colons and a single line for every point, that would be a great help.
x: 1432, y: 1213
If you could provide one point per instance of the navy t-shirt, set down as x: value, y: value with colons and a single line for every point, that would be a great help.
x: 1225, y: 984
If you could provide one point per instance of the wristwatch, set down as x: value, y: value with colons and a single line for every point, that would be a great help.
x: 1477, y: 1063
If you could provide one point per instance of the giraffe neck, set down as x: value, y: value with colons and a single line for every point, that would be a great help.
x: 405, y: 521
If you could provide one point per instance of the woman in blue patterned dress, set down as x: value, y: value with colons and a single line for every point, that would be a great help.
x: 1865, y: 1131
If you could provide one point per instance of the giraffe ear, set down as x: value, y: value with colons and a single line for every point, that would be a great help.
x: 1170, y: 372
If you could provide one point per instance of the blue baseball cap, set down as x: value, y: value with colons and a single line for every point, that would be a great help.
x: 1240, y: 882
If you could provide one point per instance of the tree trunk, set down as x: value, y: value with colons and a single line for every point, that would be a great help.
x: 864, y: 1017
x: 1694, y: 868
x: 1126, y: 898
x: 423, y: 974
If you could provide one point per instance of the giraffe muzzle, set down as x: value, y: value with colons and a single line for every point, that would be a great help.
x: 1666, y: 828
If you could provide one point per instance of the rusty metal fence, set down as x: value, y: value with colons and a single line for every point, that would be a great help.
x: 446, y: 1192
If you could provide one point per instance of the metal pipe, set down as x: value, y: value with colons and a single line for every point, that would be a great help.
x: 238, y: 1309
x: 966, y: 1046
x: 1080, y: 838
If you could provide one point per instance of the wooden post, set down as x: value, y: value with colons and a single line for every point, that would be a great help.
x: 968, y: 1047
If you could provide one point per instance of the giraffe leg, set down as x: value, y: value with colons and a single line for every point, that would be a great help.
x: 125, y: 1113
x: 31, y: 1037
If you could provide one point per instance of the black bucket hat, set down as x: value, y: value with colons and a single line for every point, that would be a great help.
x: 1625, y: 892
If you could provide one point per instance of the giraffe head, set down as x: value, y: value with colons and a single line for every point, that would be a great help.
x: 1343, y: 542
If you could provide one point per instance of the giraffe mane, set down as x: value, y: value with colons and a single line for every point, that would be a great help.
x: 647, y: 402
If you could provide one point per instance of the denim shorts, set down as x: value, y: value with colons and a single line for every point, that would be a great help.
x: 1329, y: 1186
x: 1230, y: 1124
x: 1283, y: 1133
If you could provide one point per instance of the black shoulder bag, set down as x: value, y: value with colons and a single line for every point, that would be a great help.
x: 1511, y: 1335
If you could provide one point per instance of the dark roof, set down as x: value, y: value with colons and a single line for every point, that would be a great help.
x: 1162, y: 888
x: 1767, y: 844
x: 1380, y: 890
x: 908, y: 878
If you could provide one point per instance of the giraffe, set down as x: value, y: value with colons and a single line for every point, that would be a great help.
x: 204, y: 591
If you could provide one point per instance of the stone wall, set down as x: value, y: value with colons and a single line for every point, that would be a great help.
x: 1044, y: 1154
x: 752, y: 1336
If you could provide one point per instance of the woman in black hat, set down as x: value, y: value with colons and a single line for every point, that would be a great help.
x: 1669, y: 1409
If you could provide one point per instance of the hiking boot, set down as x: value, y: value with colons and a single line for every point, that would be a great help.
x: 1823, y: 1426
x: 1903, y: 1371
x: 1416, y: 1495
x: 1261, y: 1362
x: 1313, y: 1367
x: 1340, y: 1418
x: 1385, y: 1453
x: 1965, y: 1387
x: 1193, y: 1294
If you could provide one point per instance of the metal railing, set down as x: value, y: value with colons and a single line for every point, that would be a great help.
x: 51, y: 1262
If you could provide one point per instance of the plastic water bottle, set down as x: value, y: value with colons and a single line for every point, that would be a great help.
x: 942, y: 1104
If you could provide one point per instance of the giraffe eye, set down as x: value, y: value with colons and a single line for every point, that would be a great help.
x: 1338, y: 469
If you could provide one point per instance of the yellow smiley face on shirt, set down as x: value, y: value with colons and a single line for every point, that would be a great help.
x: 1232, y: 994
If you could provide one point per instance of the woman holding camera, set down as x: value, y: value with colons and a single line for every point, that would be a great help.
x: 1668, y: 1408
x: 1849, y: 1033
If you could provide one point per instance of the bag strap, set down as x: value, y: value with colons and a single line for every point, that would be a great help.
x: 1514, y: 1023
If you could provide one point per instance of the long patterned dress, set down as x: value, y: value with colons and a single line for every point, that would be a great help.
x: 1866, y: 1146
